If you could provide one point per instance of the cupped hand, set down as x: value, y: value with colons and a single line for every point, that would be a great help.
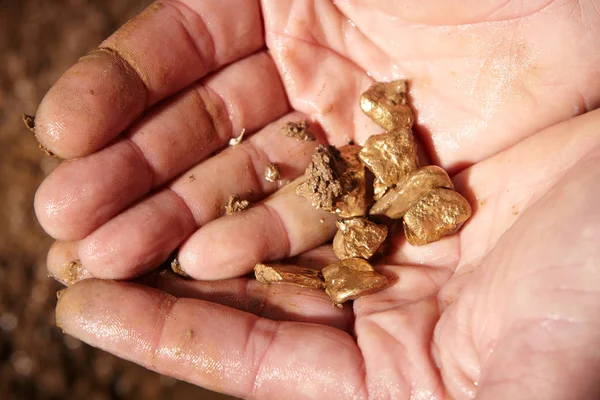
x: 506, y: 309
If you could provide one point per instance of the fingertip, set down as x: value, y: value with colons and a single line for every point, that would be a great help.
x: 48, y: 210
x: 101, y: 257
x: 64, y: 265
x: 82, y: 310
x: 59, y: 312
x: 81, y: 195
x: 228, y: 247
x: 89, y: 105
x: 72, y: 305
x: 56, y: 206
x: 283, y: 225
x: 116, y: 316
x: 215, y: 253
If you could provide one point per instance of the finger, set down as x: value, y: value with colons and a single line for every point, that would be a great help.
x: 283, y: 302
x: 531, y: 299
x: 240, y: 170
x: 142, y: 237
x: 167, y: 47
x: 82, y: 194
x: 211, y: 345
x: 280, y: 302
x: 137, y: 240
x: 62, y: 254
x: 282, y: 226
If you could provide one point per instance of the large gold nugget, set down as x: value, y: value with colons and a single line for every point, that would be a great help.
x: 358, y: 238
x: 335, y: 181
x: 386, y: 104
x: 282, y: 273
x: 350, y: 279
x: 440, y: 213
x: 353, y: 201
x: 397, y: 201
x: 390, y: 156
x: 322, y: 185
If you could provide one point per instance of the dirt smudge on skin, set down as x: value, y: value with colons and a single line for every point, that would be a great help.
x: 73, y: 272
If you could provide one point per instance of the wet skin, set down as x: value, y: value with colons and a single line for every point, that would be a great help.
x: 504, y: 93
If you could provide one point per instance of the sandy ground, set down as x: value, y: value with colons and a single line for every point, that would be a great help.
x: 39, y: 40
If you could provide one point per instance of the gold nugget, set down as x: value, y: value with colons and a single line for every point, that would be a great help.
x: 282, y: 273
x: 358, y: 238
x: 390, y: 156
x: 336, y: 181
x: 386, y: 104
x: 397, y: 201
x: 439, y: 213
x: 297, y: 130
x: 350, y: 279
x: 272, y: 172
x: 176, y: 268
x: 236, y: 204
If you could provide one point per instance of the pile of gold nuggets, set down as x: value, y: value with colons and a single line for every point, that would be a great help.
x: 367, y: 187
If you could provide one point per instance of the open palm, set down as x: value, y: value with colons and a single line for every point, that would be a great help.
x: 506, y: 309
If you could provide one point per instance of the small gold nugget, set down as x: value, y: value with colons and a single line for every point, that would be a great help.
x: 282, y: 273
x: 298, y: 131
x: 350, y: 279
x: 390, y: 156
x: 439, y: 213
x: 386, y: 104
x: 176, y: 268
x: 272, y: 172
x: 379, y: 189
x: 336, y: 181
x: 358, y: 238
x: 236, y: 204
x: 29, y: 122
x: 397, y: 201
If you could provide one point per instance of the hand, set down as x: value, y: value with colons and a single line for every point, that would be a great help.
x: 506, y: 309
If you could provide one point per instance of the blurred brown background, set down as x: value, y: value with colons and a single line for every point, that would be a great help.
x: 39, y: 40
